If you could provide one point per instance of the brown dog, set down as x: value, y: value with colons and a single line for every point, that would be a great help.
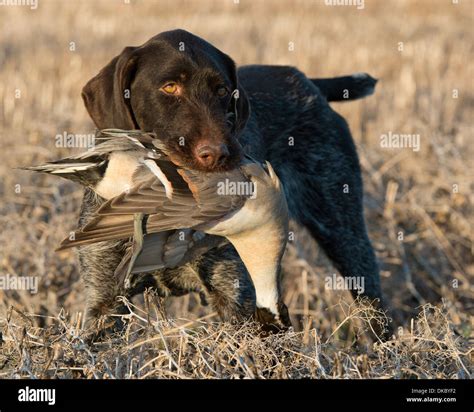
x: 206, y: 113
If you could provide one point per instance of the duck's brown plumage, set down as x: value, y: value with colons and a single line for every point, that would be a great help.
x: 193, y: 202
x: 130, y: 170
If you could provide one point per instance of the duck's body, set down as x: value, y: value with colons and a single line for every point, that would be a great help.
x: 111, y: 167
x: 147, y: 195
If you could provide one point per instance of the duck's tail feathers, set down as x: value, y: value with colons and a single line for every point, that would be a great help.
x: 61, y: 168
x: 74, y: 170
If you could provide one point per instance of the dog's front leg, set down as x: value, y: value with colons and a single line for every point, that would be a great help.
x: 97, y: 263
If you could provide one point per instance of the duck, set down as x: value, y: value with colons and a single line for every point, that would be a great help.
x: 147, y: 197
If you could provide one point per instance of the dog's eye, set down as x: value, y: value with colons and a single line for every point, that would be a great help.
x: 222, y: 91
x: 170, y: 88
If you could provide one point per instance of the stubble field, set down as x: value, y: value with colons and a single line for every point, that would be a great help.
x: 418, y: 202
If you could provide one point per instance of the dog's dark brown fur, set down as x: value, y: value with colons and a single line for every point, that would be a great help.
x: 280, y: 116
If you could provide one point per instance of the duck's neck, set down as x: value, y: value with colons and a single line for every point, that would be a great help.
x: 261, y: 251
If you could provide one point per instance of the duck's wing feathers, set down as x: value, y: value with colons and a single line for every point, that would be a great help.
x: 168, y: 249
x: 196, y: 198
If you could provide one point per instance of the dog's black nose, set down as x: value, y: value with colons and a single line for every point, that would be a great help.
x: 212, y: 155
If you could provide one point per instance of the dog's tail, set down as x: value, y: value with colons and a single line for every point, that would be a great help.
x: 343, y: 88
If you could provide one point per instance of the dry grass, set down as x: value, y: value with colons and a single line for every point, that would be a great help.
x: 155, y: 347
x: 427, y: 277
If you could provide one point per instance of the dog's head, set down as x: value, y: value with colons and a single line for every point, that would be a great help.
x: 181, y: 88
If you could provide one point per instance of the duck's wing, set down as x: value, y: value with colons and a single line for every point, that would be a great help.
x: 168, y: 249
x: 196, y: 198
x: 113, y: 140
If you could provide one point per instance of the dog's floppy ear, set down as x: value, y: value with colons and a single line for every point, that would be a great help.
x: 242, y: 108
x: 107, y: 95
